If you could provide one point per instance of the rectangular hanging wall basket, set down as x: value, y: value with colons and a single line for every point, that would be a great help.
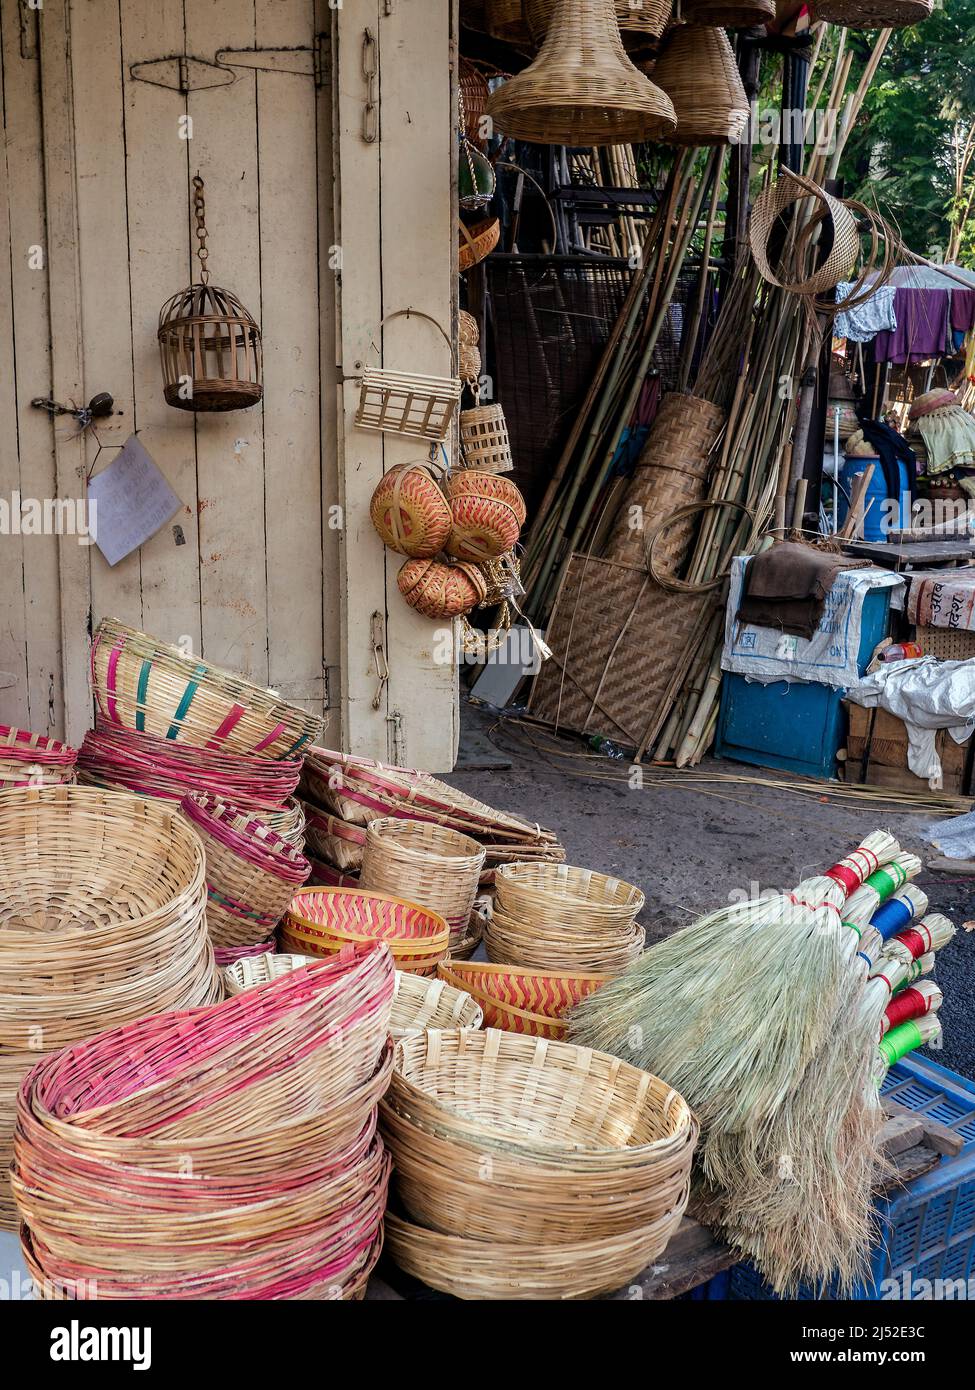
x: 406, y: 403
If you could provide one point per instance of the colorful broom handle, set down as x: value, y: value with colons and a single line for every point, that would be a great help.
x: 909, y: 1004
x: 892, y: 916
x: 923, y: 965
x: 908, y: 1036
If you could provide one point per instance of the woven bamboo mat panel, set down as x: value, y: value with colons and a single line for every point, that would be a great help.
x: 619, y: 644
x: 946, y: 643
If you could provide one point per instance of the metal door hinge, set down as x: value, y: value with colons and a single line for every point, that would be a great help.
x: 299, y: 62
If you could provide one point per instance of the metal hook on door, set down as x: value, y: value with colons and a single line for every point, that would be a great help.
x: 370, y: 71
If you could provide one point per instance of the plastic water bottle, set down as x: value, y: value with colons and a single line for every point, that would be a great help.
x: 604, y: 745
x: 901, y: 651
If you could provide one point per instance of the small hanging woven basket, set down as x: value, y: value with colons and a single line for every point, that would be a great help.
x: 419, y: 407
x: 873, y: 14
x: 582, y: 88
x: 441, y: 591
x: 410, y: 512
x: 209, y: 345
x: 476, y: 242
x: 506, y: 21
x: 728, y: 14
x: 488, y: 513
x: 647, y: 19
x: 484, y: 441
x: 697, y: 70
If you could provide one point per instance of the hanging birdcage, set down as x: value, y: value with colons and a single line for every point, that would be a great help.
x: 209, y: 345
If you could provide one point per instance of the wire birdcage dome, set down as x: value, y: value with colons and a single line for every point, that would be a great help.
x: 209, y: 344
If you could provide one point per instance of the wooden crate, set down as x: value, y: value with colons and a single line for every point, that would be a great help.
x: 882, y: 737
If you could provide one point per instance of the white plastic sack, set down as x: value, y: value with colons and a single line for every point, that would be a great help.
x: 927, y: 695
x: 829, y: 657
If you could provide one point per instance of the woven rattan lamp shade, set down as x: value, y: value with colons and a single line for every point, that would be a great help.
x: 728, y: 14
x: 697, y: 70
x: 647, y: 19
x: 874, y: 14
x: 582, y: 88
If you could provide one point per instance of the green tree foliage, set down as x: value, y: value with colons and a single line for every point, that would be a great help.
x: 913, y: 149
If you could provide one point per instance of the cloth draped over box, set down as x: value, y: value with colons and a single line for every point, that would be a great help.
x: 786, y: 587
x: 927, y: 695
x: 829, y: 656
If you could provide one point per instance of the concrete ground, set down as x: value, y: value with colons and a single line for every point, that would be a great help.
x: 688, y: 844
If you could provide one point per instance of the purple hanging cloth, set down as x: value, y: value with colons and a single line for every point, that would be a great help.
x: 922, y: 327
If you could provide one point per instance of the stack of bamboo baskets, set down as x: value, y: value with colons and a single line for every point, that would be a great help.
x: 530, y: 1169
x: 102, y: 901
x: 557, y: 917
x: 226, y: 1153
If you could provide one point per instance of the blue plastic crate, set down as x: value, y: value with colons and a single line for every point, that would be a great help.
x: 928, y: 1228
x: 795, y: 725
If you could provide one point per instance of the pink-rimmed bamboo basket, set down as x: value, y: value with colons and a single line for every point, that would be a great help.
x: 322, y: 921
x: 34, y: 760
x: 522, y: 1001
x: 430, y: 864
x: 334, y: 840
x: 102, y: 921
x: 143, y: 684
x: 118, y: 758
x: 252, y: 873
x: 226, y: 1153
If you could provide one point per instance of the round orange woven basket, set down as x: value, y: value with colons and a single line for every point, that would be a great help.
x: 441, y: 591
x: 410, y: 511
x: 487, y: 512
x: 321, y: 921
x: 521, y: 1001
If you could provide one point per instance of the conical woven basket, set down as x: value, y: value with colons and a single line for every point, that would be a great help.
x: 582, y: 88
x: 873, y: 14
x: 728, y: 14
x: 697, y: 70
x: 648, y: 19
x: 672, y: 472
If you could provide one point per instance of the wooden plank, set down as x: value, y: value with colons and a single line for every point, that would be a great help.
x: 31, y: 312
x: 901, y: 1132
x: 692, y: 1257
x: 14, y: 699
x: 937, y: 1136
x: 230, y: 447
x: 362, y: 558
x: 66, y: 347
x: 329, y: 279
x: 157, y: 164
x: 287, y: 161
x: 418, y: 161
x: 104, y: 258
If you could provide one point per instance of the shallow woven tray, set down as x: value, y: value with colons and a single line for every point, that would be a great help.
x: 320, y: 921
x: 521, y: 1001
x: 420, y: 1003
x: 251, y: 971
x: 520, y: 944
x: 575, y: 897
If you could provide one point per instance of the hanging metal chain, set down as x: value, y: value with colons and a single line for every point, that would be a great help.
x: 199, y: 207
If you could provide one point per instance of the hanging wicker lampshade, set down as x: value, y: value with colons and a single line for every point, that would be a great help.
x: 209, y: 345
x: 582, y: 89
x: 506, y: 20
x: 697, y: 70
x: 648, y: 19
x: 873, y: 14
x: 728, y: 14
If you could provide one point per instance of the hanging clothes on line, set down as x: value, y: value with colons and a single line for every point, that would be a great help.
x: 923, y: 318
x: 864, y: 321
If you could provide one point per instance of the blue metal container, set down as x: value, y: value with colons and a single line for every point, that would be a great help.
x: 798, y: 726
x: 926, y: 1232
x: 881, y: 512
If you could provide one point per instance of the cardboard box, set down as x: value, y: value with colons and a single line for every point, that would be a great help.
x: 887, y: 757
